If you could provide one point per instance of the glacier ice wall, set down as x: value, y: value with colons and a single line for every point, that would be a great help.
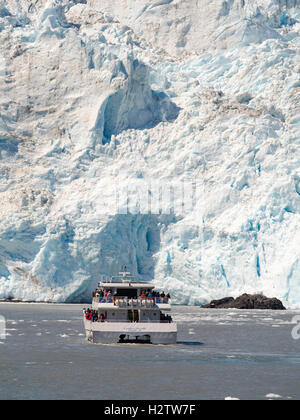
x: 98, y: 96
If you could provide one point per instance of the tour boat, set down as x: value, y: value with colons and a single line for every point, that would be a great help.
x: 127, y: 311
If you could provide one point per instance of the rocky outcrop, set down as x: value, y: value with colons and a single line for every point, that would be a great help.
x: 246, y: 302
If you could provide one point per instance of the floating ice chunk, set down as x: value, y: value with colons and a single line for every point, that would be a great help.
x: 273, y: 396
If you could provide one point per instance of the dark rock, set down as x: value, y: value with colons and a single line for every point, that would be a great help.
x: 246, y: 302
x: 222, y: 303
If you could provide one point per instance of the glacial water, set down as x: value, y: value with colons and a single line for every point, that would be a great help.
x: 219, y: 354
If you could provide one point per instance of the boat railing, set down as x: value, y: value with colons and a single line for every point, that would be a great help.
x: 145, y: 303
x: 125, y: 302
x: 124, y: 321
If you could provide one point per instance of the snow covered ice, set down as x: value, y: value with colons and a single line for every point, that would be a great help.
x: 100, y: 96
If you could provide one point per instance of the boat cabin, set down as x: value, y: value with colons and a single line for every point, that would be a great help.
x: 125, y: 300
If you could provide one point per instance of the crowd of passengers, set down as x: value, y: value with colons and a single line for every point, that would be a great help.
x: 107, y: 296
x: 102, y: 294
x: 93, y: 316
x: 153, y: 294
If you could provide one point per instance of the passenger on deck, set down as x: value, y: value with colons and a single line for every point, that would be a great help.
x: 91, y: 315
x: 88, y: 315
x: 100, y: 294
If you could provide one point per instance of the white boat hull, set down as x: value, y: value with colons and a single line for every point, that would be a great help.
x: 110, y: 332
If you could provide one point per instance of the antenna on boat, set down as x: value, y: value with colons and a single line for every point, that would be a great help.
x: 129, y: 261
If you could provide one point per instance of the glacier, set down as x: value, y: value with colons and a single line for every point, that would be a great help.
x: 101, y: 96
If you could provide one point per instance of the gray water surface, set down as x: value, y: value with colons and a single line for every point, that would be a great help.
x: 219, y: 354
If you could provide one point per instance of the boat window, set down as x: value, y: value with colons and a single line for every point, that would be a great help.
x: 131, y: 293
